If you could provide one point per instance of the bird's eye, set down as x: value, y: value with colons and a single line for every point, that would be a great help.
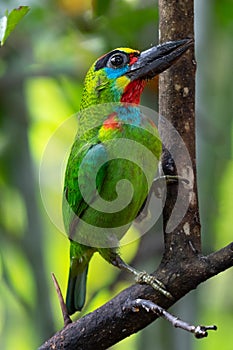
x: 117, y: 60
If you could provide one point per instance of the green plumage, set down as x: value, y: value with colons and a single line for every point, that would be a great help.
x: 113, y: 143
x: 83, y: 163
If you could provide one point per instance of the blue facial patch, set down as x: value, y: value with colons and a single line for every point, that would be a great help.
x: 114, y: 73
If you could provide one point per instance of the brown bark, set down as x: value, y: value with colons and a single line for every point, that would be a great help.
x: 177, y: 105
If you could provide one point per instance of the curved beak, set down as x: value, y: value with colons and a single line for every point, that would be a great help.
x: 157, y: 59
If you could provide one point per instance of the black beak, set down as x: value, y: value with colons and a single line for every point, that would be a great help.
x: 157, y: 59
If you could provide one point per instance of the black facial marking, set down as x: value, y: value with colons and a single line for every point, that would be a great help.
x: 102, y: 62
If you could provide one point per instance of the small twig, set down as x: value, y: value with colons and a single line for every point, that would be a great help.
x: 149, y: 306
x: 65, y: 314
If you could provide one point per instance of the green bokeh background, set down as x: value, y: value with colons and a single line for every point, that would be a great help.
x: 42, y: 67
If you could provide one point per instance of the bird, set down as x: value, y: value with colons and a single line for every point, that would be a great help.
x: 111, y: 126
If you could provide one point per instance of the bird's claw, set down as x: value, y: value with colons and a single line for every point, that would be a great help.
x: 159, y: 183
x: 145, y: 278
x: 170, y: 179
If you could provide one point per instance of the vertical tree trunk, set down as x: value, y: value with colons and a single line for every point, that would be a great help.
x: 177, y: 106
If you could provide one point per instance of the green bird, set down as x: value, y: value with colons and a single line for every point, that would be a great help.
x: 115, y: 144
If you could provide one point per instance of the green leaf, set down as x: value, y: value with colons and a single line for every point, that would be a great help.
x: 10, y: 20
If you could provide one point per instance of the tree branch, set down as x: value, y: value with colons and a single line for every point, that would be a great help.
x: 66, y: 317
x: 198, y: 331
x: 114, y: 321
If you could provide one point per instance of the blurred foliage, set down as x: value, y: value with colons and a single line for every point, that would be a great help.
x: 42, y: 67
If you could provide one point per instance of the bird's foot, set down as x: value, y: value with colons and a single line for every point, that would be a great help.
x: 145, y: 278
x: 169, y: 179
x: 176, y: 178
x: 158, y: 184
x: 141, y: 277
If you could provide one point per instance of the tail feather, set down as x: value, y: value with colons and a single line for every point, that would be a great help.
x: 76, y: 290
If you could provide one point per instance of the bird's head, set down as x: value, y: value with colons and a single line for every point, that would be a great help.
x: 120, y: 75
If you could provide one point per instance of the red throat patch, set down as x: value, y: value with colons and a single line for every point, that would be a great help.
x: 133, y: 91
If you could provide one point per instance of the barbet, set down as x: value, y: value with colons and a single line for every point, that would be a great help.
x: 110, y: 127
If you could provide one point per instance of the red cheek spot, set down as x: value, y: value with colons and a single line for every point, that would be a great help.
x: 133, y: 60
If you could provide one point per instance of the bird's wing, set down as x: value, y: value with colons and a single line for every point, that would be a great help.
x: 84, y: 177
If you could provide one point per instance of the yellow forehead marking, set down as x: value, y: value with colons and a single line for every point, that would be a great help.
x: 127, y: 50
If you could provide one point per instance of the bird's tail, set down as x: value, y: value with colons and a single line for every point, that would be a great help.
x: 76, y: 290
